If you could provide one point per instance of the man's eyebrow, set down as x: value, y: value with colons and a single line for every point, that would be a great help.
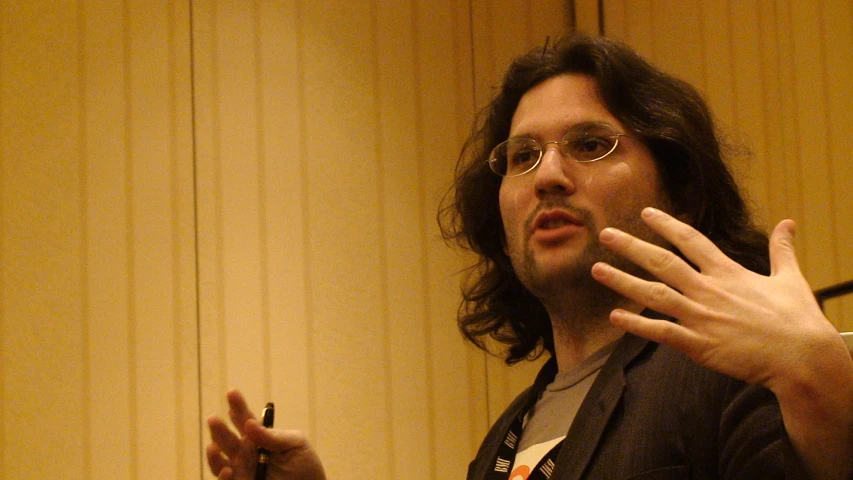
x: 589, y: 124
x: 576, y: 126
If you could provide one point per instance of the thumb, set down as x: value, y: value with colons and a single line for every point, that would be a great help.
x: 783, y: 258
x: 274, y: 439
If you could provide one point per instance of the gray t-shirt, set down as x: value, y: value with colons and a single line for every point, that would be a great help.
x: 547, y: 423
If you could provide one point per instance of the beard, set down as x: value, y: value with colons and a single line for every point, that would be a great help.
x: 571, y: 291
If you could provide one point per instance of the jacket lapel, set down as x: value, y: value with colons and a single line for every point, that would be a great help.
x: 485, y: 460
x: 595, y: 411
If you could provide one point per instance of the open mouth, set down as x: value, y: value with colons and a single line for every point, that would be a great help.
x: 555, y: 219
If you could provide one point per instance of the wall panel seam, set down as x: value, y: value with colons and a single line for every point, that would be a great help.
x: 796, y: 160
x: 731, y: 69
x: 195, y: 230
x: 127, y: 50
x: 218, y: 221
x: 429, y: 355
x: 824, y: 88
x: 306, y: 215
x: 3, y: 230
x: 765, y: 110
x: 263, y: 215
x: 85, y: 293
x: 381, y: 220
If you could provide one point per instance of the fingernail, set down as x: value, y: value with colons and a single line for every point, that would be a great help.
x: 608, y: 234
x: 650, y: 212
x: 600, y: 270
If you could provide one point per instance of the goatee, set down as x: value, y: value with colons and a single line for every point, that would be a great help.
x: 572, y: 292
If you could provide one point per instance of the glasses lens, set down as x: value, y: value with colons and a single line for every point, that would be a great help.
x: 515, y: 156
x: 590, y: 143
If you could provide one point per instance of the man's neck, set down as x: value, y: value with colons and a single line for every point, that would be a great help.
x: 576, y: 337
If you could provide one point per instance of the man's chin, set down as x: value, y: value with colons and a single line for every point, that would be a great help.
x: 560, y: 273
x: 559, y: 264
x: 559, y: 278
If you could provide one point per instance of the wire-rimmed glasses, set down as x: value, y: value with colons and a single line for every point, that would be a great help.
x: 584, y: 143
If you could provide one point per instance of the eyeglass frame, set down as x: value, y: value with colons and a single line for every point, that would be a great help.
x: 540, y: 147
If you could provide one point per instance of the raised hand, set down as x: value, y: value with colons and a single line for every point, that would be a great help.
x: 233, y: 455
x: 767, y: 330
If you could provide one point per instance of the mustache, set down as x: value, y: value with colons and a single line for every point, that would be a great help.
x: 550, y: 203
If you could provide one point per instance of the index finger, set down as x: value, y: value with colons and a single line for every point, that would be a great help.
x: 238, y: 410
x: 224, y: 440
x: 695, y: 246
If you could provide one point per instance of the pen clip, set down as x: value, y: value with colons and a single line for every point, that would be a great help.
x: 268, y: 415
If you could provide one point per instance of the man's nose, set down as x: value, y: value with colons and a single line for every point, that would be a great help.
x: 554, y: 174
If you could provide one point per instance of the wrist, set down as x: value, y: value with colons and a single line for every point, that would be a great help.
x: 816, y: 401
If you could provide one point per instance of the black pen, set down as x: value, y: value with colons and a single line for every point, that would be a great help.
x: 263, y: 454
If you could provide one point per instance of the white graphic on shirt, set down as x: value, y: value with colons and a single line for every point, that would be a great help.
x: 527, y: 460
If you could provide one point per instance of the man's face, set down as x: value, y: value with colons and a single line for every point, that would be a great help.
x: 553, y: 214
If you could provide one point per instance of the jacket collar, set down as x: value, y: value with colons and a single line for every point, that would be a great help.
x: 597, y: 408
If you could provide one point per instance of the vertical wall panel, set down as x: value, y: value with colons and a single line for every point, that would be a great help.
x: 283, y: 160
x: 107, y: 246
x: 810, y: 95
x: 98, y: 266
x: 251, y: 270
x: 787, y: 200
x: 184, y: 297
x: 675, y: 36
x: 745, y: 121
x: 716, y: 58
x: 147, y: 207
x: 452, y: 382
x: 43, y: 322
x: 466, y: 107
x: 344, y: 242
x: 586, y: 16
x: 629, y: 21
x: 402, y: 254
x: 239, y: 191
x: 155, y: 324
x: 503, y: 30
x: 212, y: 371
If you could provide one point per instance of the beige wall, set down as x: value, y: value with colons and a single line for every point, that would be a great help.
x: 204, y: 195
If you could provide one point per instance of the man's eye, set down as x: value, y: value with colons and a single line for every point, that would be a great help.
x: 523, y: 157
x: 590, y: 147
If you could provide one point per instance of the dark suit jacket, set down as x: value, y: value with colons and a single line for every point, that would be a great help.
x: 652, y: 413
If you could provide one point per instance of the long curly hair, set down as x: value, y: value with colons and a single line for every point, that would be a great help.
x: 667, y: 114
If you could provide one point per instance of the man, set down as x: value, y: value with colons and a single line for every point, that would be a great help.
x: 728, y: 369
